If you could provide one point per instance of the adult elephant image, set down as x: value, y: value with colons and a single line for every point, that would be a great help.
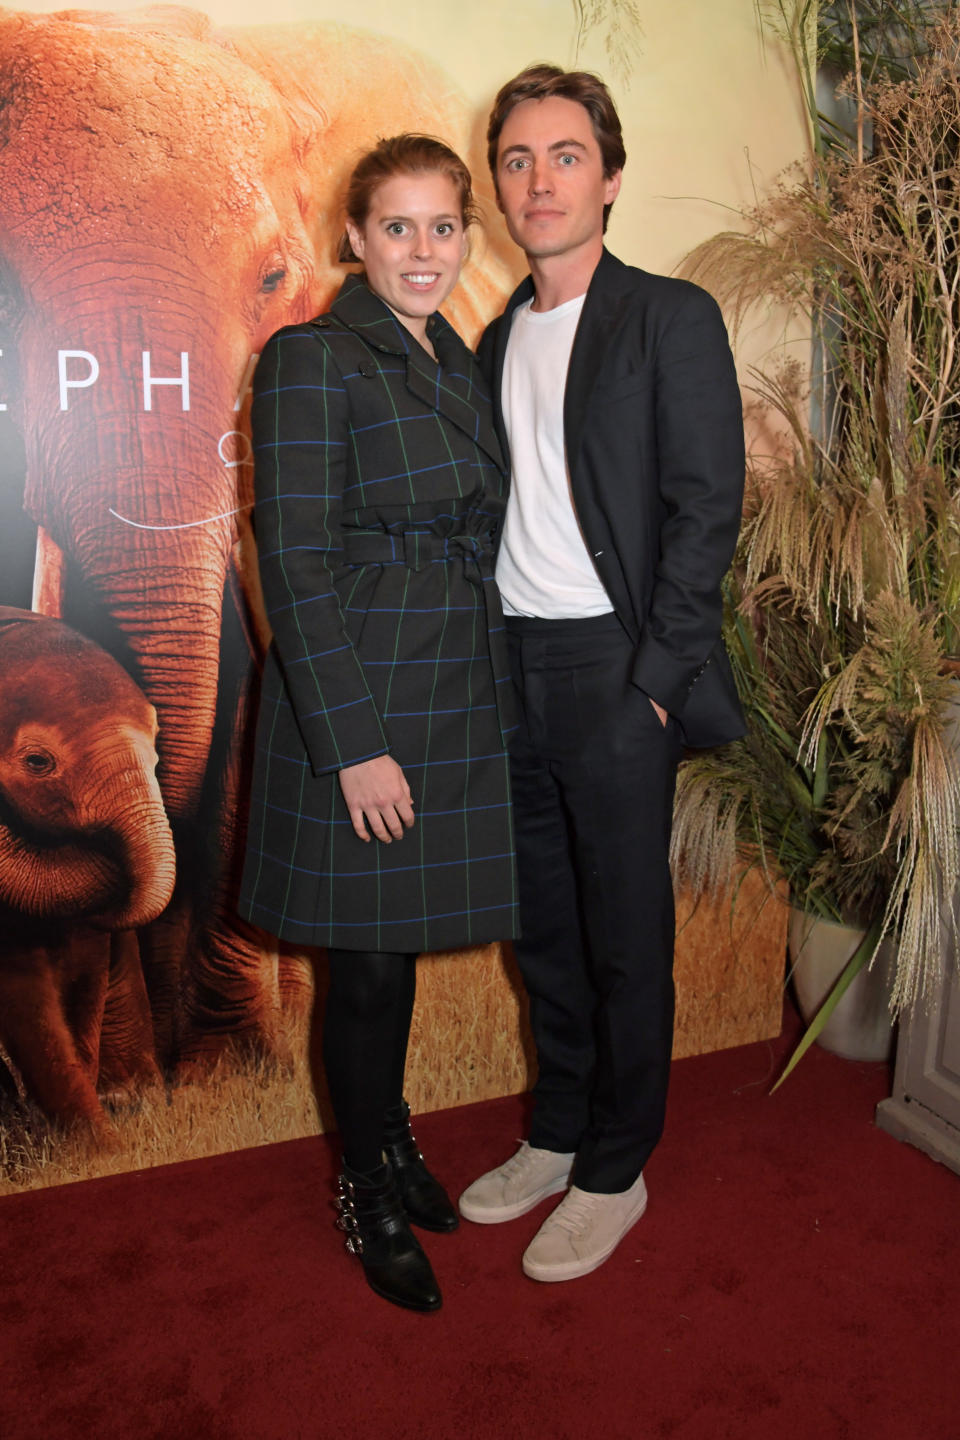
x: 170, y: 198
x: 85, y: 849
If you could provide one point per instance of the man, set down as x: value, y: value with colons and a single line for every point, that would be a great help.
x: 616, y: 393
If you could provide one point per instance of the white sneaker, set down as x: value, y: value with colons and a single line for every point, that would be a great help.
x: 582, y: 1232
x: 515, y: 1187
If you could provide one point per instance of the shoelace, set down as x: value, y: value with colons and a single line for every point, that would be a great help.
x: 574, y: 1213
x: 518, y: 1163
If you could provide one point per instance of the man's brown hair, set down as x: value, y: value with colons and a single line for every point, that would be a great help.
x: 542, y: 82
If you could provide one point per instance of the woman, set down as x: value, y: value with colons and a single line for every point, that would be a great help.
x: 380, y: 822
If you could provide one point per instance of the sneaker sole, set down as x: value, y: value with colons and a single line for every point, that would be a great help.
x: 573, y: 1269
x: 497, y: 1215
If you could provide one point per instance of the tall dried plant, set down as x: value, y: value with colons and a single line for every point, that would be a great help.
x: 845, y: 594
x: 619, y: 23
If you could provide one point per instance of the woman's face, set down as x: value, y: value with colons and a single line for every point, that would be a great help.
x: 412, y: 245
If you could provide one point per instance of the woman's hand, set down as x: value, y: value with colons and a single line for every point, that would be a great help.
x: 377, y: 792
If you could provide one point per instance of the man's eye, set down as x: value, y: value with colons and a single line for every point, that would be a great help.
x: 568, y: 160
x: 395, y: 228
x: 516, y: 164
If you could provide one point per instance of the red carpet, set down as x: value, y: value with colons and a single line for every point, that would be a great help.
x: 795, y: 1276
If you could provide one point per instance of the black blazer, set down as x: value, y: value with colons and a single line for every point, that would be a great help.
x: 654, y: 437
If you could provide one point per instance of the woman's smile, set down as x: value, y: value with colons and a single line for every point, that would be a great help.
x: 412, y: 244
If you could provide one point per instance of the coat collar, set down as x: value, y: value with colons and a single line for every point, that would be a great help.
x: 453, y: 385
x: 366, y: 315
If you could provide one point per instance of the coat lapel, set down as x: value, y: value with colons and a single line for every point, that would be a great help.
x: 454, y: 388
x: 358, y: 307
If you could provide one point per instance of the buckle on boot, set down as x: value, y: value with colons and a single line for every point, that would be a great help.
x: 348, y: 1223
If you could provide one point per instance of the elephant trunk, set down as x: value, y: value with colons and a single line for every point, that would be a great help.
x: 53, y: 882
x: 156, y: 571
x: 124, y: 815
x: 132, y: 487
x: 116, y: 869
x: 168, y: 609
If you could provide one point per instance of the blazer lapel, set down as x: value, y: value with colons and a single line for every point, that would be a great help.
x: 586, y: 358
x: 501, y: 335
x: 590, y: 346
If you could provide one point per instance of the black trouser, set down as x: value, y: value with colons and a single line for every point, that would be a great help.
x: 365, y: 1034
x: 593, y: 773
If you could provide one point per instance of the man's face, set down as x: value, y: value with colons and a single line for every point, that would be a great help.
x: 550, y: 181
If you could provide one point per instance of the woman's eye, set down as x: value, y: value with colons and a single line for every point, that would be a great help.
x: 444, y: 229
x: 395, y: 228
x: 273, y: 280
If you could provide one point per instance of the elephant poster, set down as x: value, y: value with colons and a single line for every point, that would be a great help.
x: 170, y: 198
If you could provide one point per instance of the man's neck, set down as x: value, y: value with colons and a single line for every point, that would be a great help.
x: 559, y: 278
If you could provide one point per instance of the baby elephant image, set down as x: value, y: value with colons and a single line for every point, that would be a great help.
x: 86, y: 856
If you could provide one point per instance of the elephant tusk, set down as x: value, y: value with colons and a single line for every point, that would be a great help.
x: 187, y: 525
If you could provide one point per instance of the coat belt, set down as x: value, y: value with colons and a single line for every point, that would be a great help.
x: 417, y: 548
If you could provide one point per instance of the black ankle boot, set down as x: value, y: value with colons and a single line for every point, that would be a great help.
x: 424, y: 1199
x: 379, y: 1233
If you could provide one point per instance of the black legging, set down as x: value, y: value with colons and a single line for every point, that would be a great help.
x: 365, y: 1033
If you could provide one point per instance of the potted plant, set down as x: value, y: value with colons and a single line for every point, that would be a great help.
x: 844, y: 599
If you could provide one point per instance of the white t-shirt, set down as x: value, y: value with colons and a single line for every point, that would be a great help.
x: 543, y: 567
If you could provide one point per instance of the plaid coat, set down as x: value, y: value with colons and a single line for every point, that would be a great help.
x: 379, y: 490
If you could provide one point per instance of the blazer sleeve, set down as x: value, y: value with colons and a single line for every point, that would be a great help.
x: 701, y: 462
x: 300, y: 425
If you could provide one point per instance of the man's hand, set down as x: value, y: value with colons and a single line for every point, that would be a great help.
x: 377, y: 792
x: 660, y: 711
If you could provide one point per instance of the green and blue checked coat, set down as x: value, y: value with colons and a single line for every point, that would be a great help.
x: 379, y: 492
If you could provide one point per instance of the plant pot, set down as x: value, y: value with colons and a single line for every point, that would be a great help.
x: 924, y: 1108
x: 861, y: 1027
